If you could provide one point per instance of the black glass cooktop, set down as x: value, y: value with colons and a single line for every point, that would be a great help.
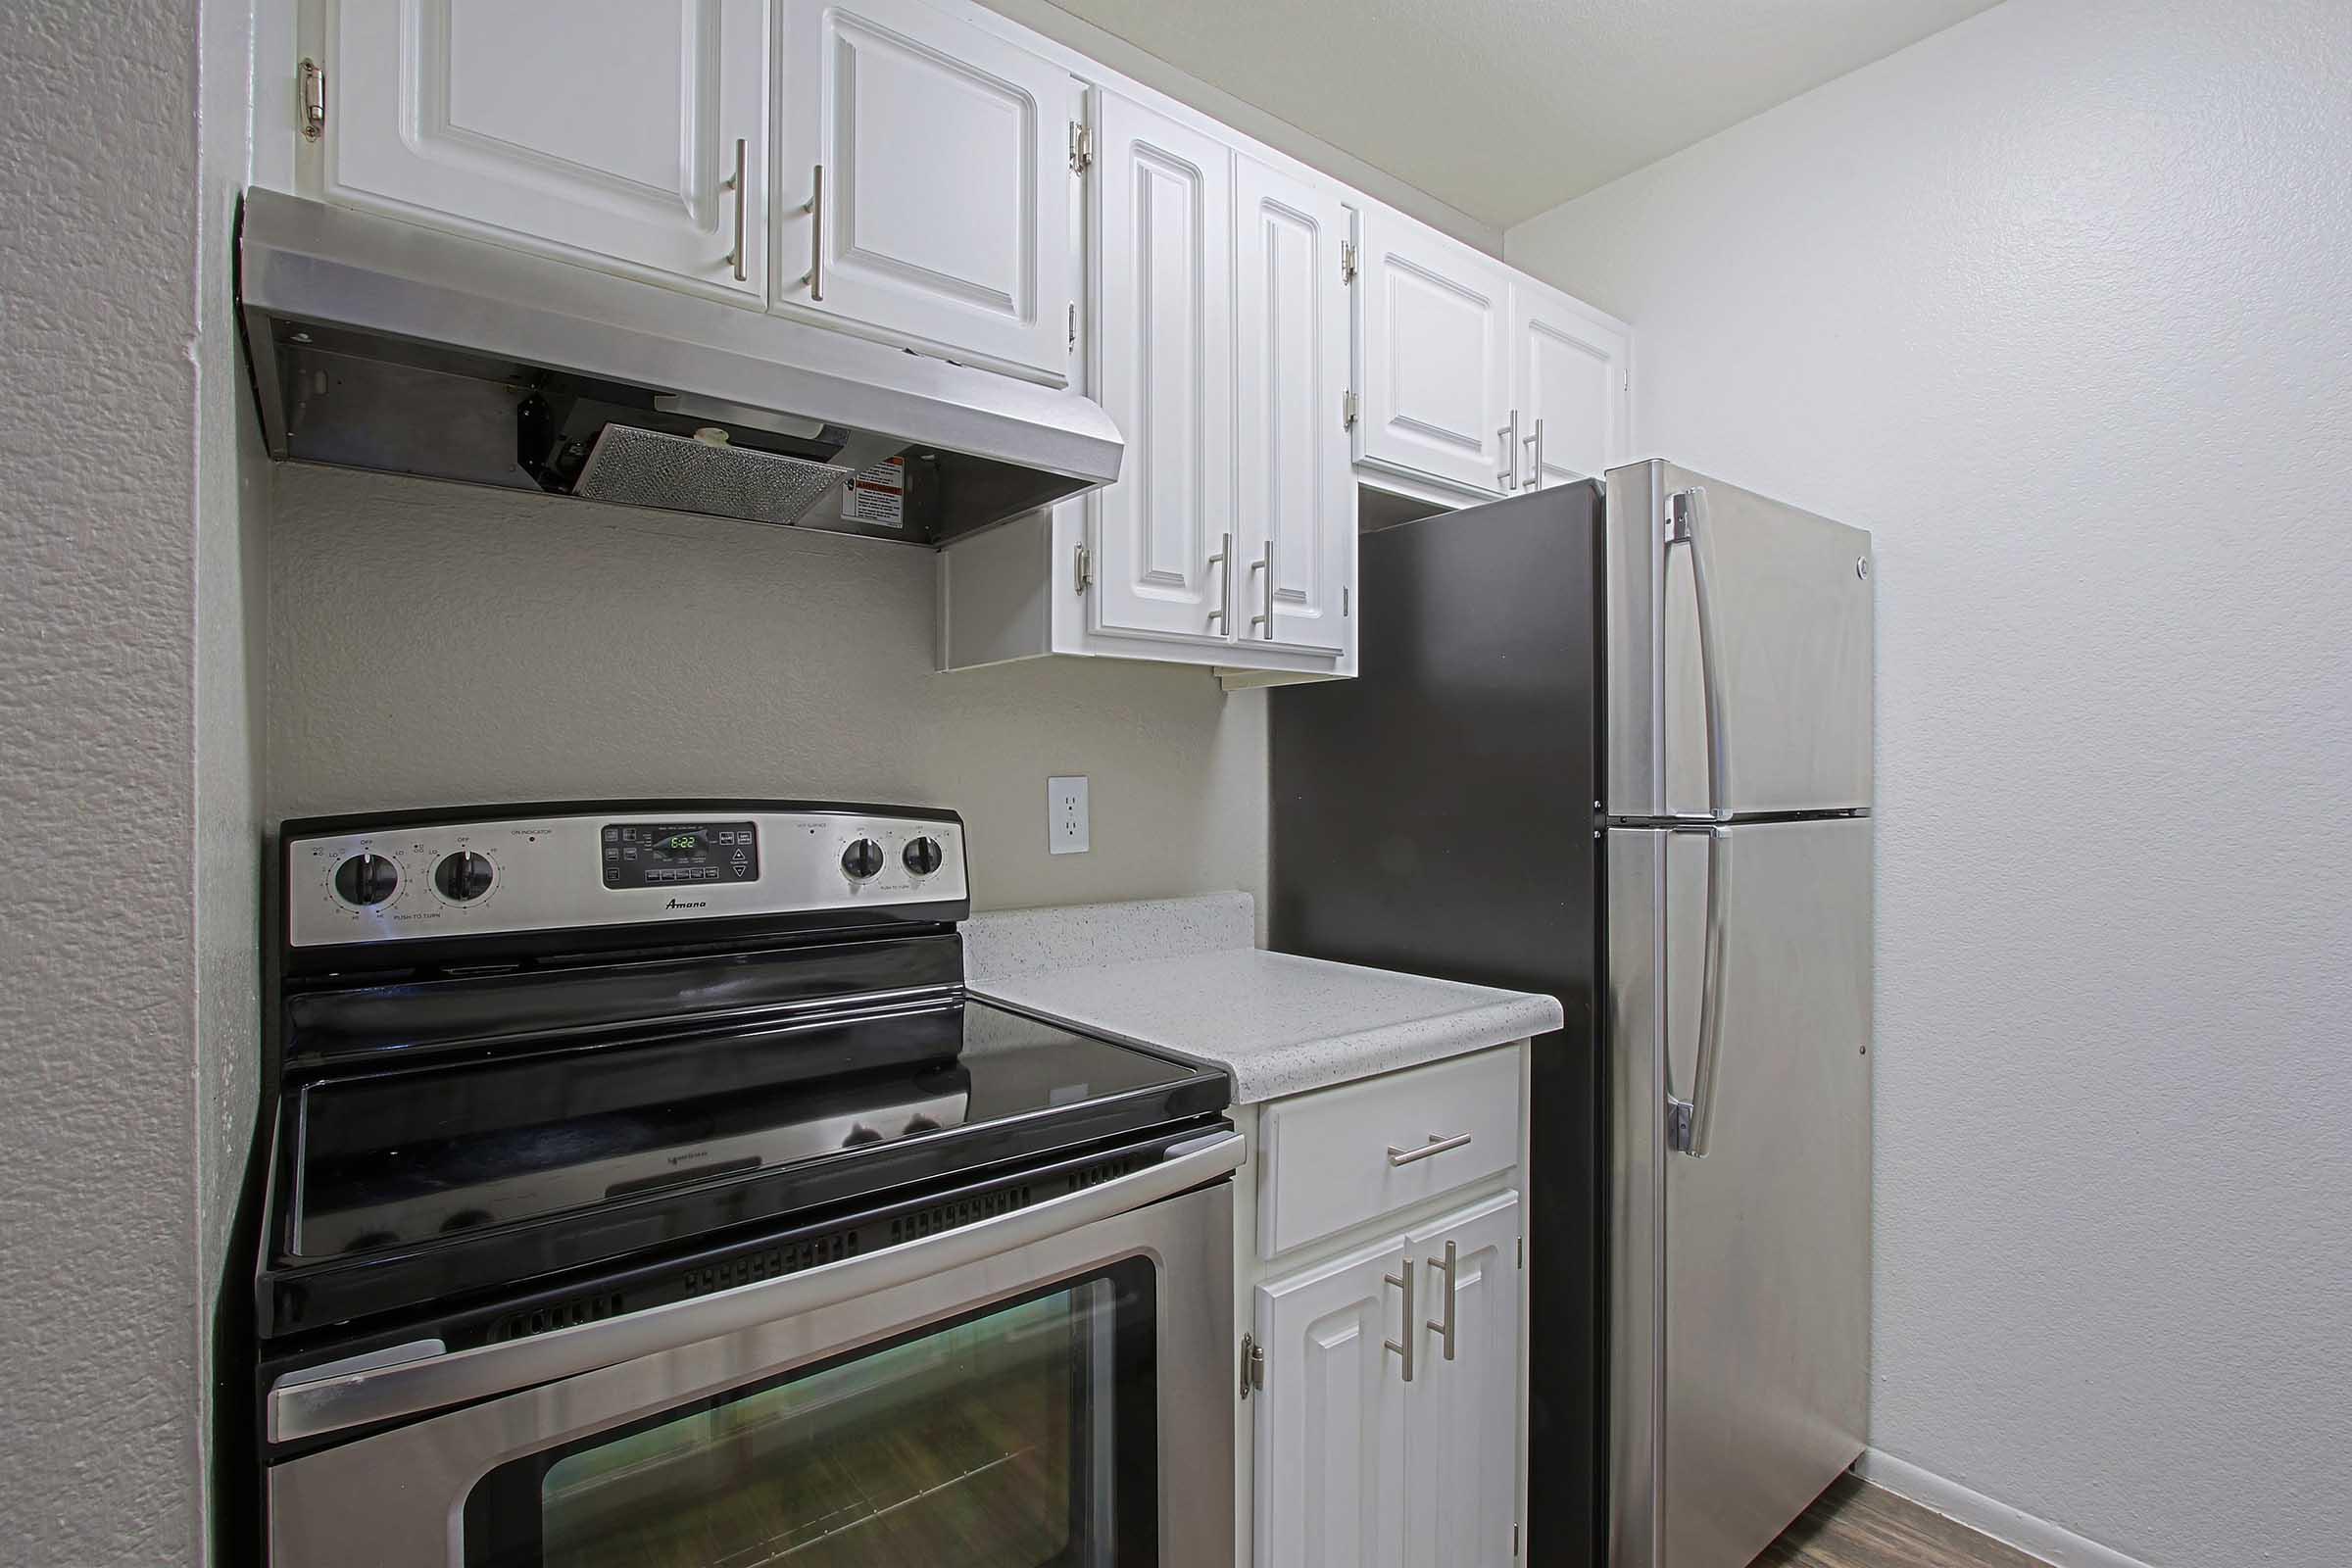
x: 394, y: 1159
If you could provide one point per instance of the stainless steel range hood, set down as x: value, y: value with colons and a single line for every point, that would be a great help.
x: 381, y: 344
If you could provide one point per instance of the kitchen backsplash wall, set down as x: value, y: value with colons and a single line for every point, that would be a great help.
x: 434, y: 644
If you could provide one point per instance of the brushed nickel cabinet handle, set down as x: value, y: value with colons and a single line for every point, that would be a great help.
x: 1534, y: 443
x: 816, y: 233
x: 1443, y: 1327
x: 1404, y: 1279
x: 1265, y: 564
x: 1435, y: 1145
x: 1223, y: 561
x: 741, y: 187
x: 1509, y: 435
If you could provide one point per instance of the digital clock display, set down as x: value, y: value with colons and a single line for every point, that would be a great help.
x: 679, y: 854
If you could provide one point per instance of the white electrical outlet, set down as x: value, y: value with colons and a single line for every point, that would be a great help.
x: 1065, y: 816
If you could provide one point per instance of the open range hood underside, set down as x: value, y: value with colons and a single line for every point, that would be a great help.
x: 381, y: 344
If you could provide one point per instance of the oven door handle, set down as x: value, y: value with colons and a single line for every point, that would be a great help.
x: 302, y: 1408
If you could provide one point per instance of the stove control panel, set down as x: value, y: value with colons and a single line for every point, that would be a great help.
x: 484, y: 878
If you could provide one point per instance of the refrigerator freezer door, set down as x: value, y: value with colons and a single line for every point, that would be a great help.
x: 1709, y: 585
x: 1742, y: 1278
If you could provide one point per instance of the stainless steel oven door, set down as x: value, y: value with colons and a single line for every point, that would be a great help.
x: 1049, y: 1386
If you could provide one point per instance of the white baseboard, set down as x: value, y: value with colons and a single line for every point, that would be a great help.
x: 2034, y: 1536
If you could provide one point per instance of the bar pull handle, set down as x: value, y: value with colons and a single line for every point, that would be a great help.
x: 1436, y: 1145
x: 1534, y: 443
x: 1404, y: 1279
x: 740, y: 186
x: 1509, y: 435
x: 1265, y: 564
x: 816, y: 233
x: 1691, y: 1123
x: 1223, y: 561
x: 1447, y: 1266
x: 1686, y: 525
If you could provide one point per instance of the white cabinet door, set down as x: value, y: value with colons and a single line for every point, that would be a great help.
x: 942, y: 153
x: 1436, y: 378
x: 1462, y: 1437
x: 1295, y: 531
x: 1330, y: 1440
x: 1162, y: 337
x: 604, y: 129
x: 1568, y: 377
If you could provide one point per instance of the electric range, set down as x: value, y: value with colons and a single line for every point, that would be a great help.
x: 635, y: 1161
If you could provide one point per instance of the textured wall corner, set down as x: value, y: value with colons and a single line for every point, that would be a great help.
x: 2057, y: 304
x: 99, y: 1452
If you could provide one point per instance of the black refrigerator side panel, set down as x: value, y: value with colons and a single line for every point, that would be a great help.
x: 1436, y: 815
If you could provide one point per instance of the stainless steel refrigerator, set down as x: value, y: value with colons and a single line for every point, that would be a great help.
x: 1613, y: 742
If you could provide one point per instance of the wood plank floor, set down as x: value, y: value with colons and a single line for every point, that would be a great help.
x: 1856, y: 1525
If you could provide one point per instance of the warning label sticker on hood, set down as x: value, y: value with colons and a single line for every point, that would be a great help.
x: 877, y: 497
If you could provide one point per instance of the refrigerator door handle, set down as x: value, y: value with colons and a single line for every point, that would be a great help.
x: 1691, y: 1123
x: 1686, y: 525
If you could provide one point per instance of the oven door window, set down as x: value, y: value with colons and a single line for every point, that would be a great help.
x: 1018, y: 1436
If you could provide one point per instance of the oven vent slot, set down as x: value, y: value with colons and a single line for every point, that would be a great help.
x: 963, y: 1211
x: 1101, y: 1171
x: 769, y: 1263
x: 562, y: 1315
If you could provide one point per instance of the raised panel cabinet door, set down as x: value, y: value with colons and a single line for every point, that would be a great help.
x: 1296, y: 533
x: 924, y: 186
x: 1164, y: 369
x: 1461, y: 1441
x: 1568, y: 375
x: 606, y: 130
x: 1331, y: 1443
x: 1437, y: 383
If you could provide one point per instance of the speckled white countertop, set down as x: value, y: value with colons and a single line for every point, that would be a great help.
x: 1279, y: 1024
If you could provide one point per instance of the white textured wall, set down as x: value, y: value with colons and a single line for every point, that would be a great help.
x: 98, y: 1273
x: 434, y: 644
x: 232, y: 492
x: 2059, y: 303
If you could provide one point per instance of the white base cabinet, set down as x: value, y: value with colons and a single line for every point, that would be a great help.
x: 1383, y: 1406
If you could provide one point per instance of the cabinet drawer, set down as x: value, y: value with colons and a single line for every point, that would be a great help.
x: 1326, y: 1160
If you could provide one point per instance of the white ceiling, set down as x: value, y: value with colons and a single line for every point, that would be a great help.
x: 1506, y: 108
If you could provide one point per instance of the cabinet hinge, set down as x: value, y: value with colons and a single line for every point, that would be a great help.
x: 1522, y: 1251
x: 1073, y: 324
x: 1347, y: 602
x: 1082, y: 569
x: 1082, y: 147
x: 1253, y: 1365
x: 1347, y: 261
x: 1514, y: 1541
x: 1347, y: 410
x: 314, y: 101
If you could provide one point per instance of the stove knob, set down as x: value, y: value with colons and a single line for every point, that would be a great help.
x: 366, y: 879
x: 862, y: 859
x: 923, y: 855
x: 464, y: 876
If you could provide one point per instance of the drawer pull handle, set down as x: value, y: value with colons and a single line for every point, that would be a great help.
x: 1435, y: 1145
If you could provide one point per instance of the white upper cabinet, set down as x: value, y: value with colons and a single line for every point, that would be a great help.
x: 1435, y: 367
x: 1162, y: 230
x: 1296, y: 533
x: 1330, y: 1421
x: 1463, y: 1444
x: 617, y: 131
x: 1569, y: 383
x: 924, y: 183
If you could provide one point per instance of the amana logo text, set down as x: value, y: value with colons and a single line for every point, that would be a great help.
x: 689, y: 903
